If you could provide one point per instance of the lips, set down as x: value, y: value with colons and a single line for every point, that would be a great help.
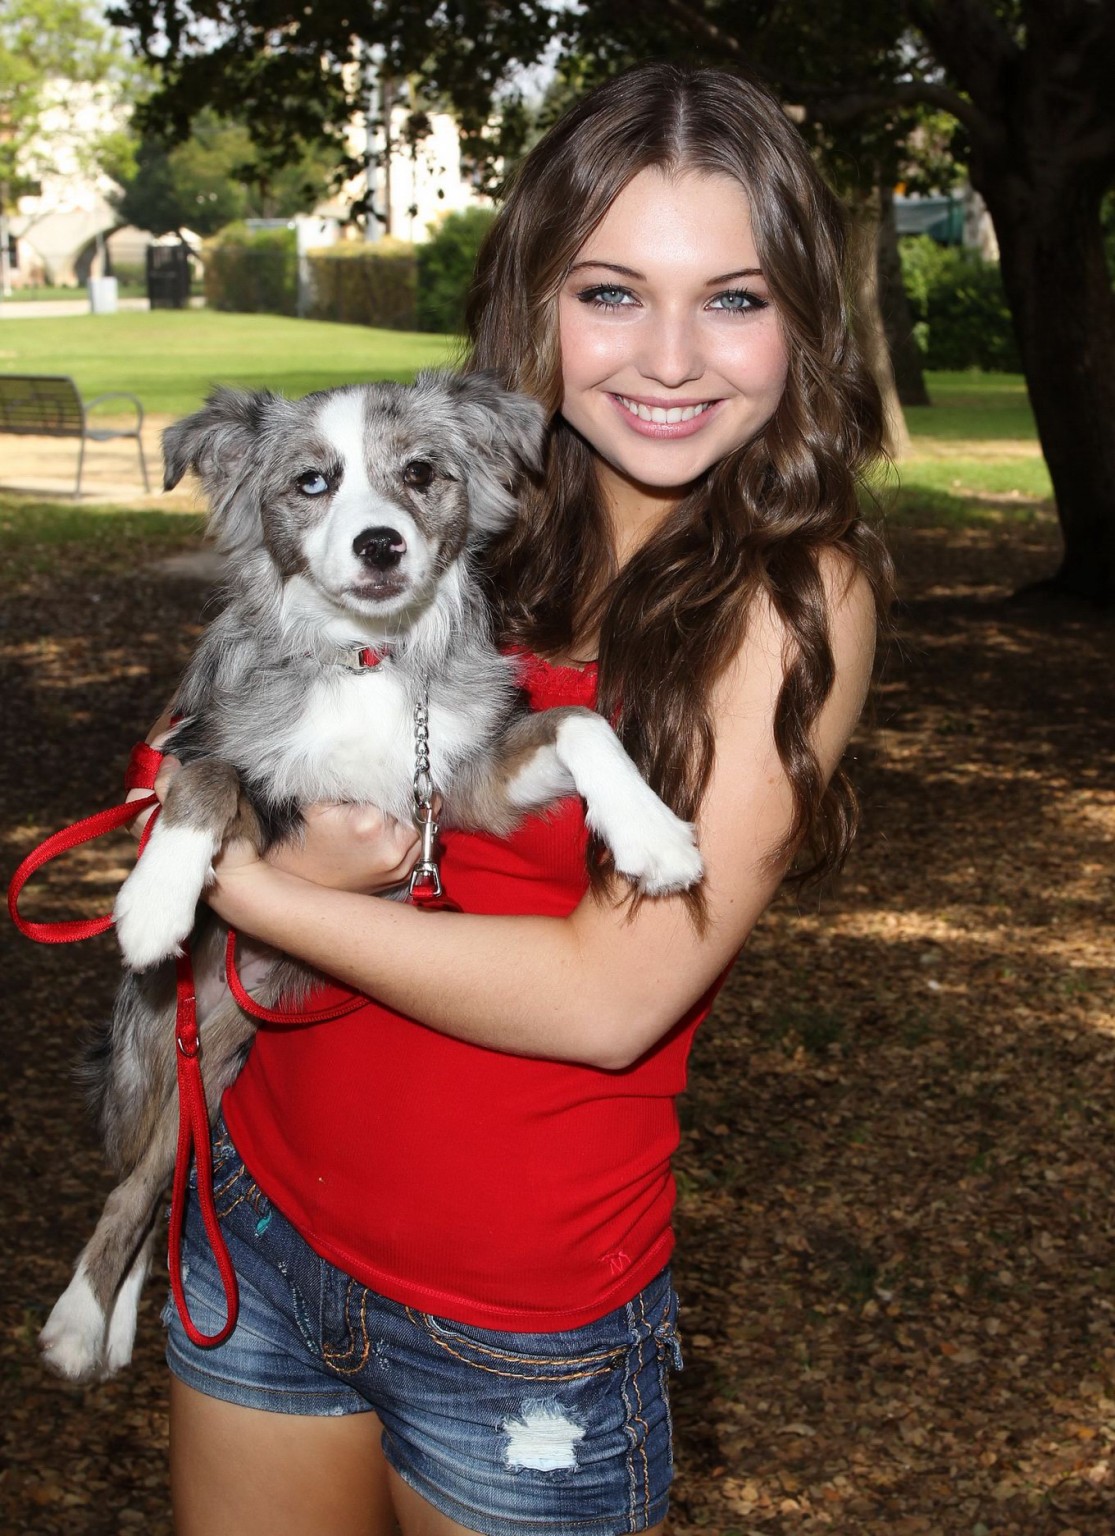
x: 661, y: 419
x: 662, y: 414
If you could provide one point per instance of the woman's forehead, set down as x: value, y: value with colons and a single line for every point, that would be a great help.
x: 665, y: 219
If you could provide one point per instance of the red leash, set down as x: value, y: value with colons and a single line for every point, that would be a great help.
x: 193, y: 1136
x: 193, y: 1113
x: 72, y: 837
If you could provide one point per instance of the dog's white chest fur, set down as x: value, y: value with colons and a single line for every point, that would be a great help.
x: 354, y: 740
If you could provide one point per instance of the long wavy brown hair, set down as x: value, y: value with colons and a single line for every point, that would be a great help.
x: 674, y: 616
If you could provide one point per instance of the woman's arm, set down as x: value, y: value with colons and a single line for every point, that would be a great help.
x: 598, y: 987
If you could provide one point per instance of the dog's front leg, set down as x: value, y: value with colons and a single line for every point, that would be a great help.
x: 574, y: 751
x: 155, y: 906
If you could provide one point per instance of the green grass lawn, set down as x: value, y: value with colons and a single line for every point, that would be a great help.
x: 170, y: 358
x: 46, y: 292
x: 975, y: 455
x: 35, y: 534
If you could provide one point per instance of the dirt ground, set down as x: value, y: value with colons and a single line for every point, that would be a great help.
x: 896, y: 1231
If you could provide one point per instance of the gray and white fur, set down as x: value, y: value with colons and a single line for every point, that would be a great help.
x: 348, y: 520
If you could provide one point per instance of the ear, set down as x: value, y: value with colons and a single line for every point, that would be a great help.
x: 218, y: 444
x: 505, y: 437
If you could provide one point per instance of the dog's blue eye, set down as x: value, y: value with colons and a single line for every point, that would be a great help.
x: 313, y: 483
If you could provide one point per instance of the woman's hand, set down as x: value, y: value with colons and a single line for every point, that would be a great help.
x: 169, y: 766
x: 345, y: 847
x: 349, y: 848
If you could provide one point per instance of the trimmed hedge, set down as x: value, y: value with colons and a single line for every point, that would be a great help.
x: 961, y: 319
x: 388, y: 284
x: 252, y: 272
x: 445, y: 267
x: 364, y: 284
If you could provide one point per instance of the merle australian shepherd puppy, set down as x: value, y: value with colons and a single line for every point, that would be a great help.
x: 348, y: 520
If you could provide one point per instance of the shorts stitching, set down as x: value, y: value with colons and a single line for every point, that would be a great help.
x: 602, y: 1360
x: 227, y: 1185
x: 627, y: 1410
x: 639, y: 1419
x: 333, y: 1358
x: 253, y: 1194
x: 522, y: 1375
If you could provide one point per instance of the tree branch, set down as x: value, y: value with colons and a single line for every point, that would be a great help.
x: 969, y: 40
x: 844, y: 106
x: 700, y: 24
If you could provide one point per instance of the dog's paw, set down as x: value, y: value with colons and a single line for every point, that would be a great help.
x: 660, y: 855
x: 650, y: 845
x: 72, y: 1343
x: 156, y: 905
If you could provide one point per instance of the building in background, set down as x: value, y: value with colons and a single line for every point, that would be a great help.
x: 960, y: 218
x: 67, y: 230
x: 414, y: 179
x: 58, y: 229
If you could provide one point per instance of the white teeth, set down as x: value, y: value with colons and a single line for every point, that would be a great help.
x: 660, y: 414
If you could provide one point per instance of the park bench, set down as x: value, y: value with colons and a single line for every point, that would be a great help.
x: 50, y: 405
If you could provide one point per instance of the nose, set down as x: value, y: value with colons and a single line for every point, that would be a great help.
x: 671, y: 352
x: 379, y: 547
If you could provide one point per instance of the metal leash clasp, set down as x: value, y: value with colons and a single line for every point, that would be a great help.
x: 425, y: 877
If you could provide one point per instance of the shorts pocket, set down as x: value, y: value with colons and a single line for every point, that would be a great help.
x: 538, y: 1358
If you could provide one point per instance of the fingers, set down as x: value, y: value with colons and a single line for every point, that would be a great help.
x: 163, y: 780
x: 165, y: 776
x: 350, y: 847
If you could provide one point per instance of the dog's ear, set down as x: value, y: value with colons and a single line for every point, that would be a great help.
x: 504, y: 436
x: 218, y: 444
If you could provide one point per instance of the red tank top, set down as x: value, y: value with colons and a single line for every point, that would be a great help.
x: 500, y: 1191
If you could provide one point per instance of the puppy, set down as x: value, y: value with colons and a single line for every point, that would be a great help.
x: 349, y: 520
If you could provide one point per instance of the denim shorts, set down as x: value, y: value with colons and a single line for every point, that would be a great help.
x: 506, y: 1433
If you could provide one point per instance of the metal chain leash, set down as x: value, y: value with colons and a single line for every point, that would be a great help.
x: 423, y: 785
x: 425, y: 877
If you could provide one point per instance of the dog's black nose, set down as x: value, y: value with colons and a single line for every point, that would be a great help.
x: 379, y: 547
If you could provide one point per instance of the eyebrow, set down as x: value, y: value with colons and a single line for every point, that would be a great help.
x: 640, y: 277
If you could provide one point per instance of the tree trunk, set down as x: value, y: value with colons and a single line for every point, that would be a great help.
x: 870, y: 331
x: 898, y: 322
x: 1042, y: 136
x: 1060, y: 295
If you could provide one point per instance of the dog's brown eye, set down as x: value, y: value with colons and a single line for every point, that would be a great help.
x: 418, y: 474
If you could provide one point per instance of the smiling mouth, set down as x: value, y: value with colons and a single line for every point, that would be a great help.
x: 664, y: 415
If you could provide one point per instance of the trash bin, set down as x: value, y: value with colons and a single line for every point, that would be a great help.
x: 103, y: 292
x: 168, y: 276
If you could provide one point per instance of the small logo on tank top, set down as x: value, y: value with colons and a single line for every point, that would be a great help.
x: 617, y: 1262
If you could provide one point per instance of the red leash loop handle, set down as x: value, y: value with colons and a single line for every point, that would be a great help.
x: 143, y: 766
x: 68, y: 932
x: 193, y: 1136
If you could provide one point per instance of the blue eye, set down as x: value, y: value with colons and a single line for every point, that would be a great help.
x: 607, y: 296
x: 313, y: 483
x: 738, y: 301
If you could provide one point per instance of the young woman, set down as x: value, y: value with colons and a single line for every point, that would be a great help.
x: 450, y: 1210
